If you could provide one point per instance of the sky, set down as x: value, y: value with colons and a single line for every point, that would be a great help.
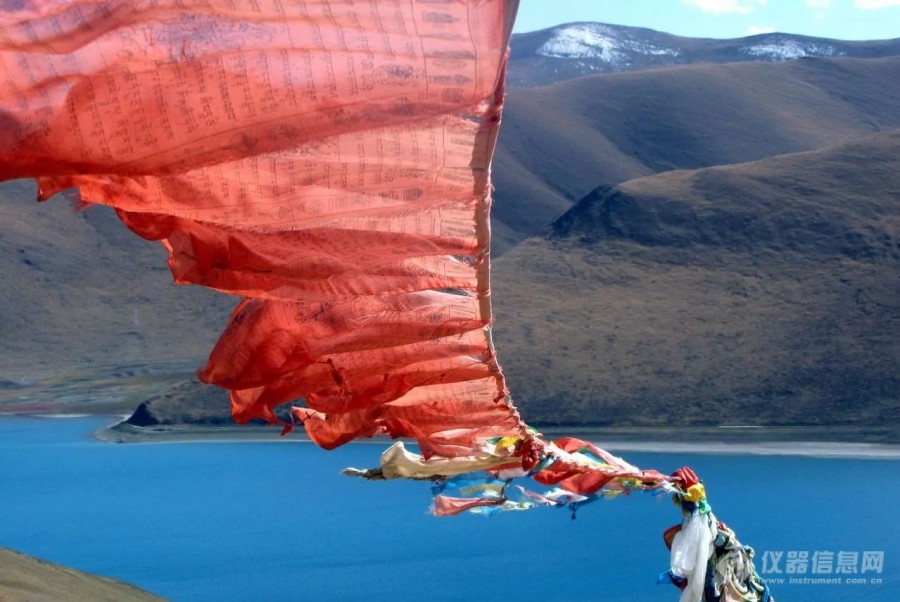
x: 840, y: 19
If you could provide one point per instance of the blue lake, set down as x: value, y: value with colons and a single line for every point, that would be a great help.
x: 275, y: 521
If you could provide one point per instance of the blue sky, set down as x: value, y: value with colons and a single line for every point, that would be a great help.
x: 842, y: 19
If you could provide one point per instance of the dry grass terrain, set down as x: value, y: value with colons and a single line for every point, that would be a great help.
x: 761, y: 293
x: 27, y: 579
x: 560, y: 142
x: 764, y: 291
x: 88, y: 311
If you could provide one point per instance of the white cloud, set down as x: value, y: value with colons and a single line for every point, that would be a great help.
x: 755, y: 30
x: 721, y: 7
x: 818, y: 3
x: 875, y: 4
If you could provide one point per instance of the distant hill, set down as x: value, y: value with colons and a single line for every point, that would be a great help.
x: 574, y: 50
x: 560, y: 142
x: 763, y: 293
x: 759, y: 294
x: 88, y: 311
x: 27, y: 579
x: 92, y: 317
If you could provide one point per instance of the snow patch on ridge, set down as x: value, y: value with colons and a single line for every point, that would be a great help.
x: 596, y: 41
x: 779, y: 49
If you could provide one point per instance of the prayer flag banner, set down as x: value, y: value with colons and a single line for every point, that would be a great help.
x: 328, y: 163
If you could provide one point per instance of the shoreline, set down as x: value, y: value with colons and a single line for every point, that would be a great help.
x: 643, y: 440
x: 755, y: 440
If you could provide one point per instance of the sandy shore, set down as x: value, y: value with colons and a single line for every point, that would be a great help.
x: 718, y: 441
x: 819, y: 442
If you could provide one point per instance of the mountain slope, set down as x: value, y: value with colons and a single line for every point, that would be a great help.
x: 86, y: 301
x: 560, y: 142
x: 27, y: 579
x: 92, y: 315
x: 67, y: 313
x: 575, y: 50
x: 760, y: 293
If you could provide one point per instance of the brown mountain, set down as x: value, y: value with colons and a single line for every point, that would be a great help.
x: 764, y: 294
x: 560, y: 142
x: 761, y: 293
x: 88, y: 313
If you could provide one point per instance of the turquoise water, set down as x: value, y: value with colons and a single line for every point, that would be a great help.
x: 275, y: 521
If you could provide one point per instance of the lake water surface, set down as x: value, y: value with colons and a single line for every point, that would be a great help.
x: 275, y: 521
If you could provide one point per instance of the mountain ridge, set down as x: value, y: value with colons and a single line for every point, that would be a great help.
x: 81, y: 330
x: 572, y: 50
x: 560, y: 142
x: 763, y: 294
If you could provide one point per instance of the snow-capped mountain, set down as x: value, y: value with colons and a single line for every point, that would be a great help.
x: 597, y: 41
x: 578, y: 49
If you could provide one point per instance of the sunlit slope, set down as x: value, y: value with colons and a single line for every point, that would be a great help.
x: 79, y: 291
x: 27, y: 579
x: 86, y: 304
x: 759, y: 293
x: 560, y: 142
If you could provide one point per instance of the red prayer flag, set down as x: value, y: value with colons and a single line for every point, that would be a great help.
x: 327, y: 161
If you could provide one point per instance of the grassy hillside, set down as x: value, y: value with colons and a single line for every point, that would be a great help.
x: 760, y: 293
x: 766, y: 293
x: 752, y: 282
x: 560, y: 142
x: 27, y: 579
x: 88, y: 310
